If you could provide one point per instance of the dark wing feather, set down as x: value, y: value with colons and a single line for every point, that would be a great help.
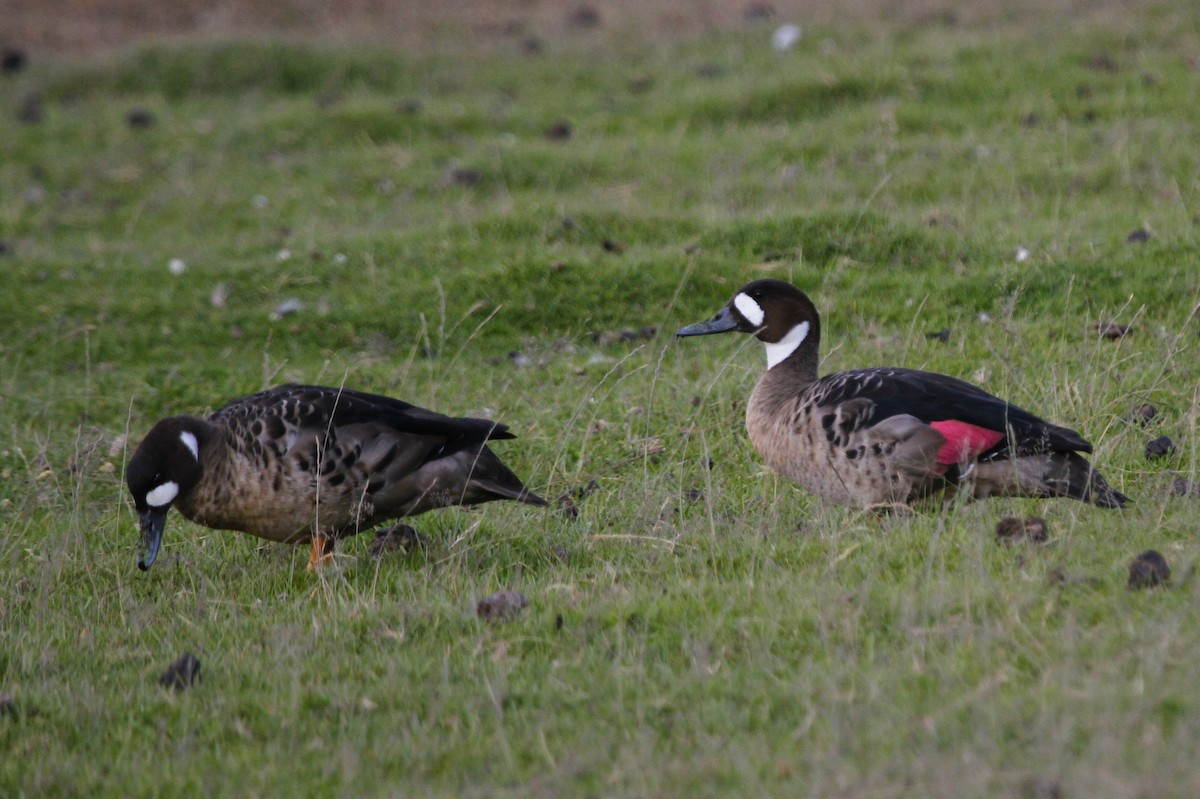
x: 320, y: 407
x: 933, y: 397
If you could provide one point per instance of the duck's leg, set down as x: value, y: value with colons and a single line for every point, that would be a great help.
x: 322, y: 551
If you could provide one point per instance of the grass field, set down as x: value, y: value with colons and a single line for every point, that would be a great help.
x: 473, y: 232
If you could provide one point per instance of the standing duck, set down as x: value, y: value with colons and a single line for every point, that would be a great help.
x: 886, y: 437
x: 297, y: 462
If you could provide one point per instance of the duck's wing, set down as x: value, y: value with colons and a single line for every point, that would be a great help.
x: 971, y: 419
x: 290, y: 409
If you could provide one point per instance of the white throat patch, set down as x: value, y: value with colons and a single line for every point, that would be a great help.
x: 163, y: 495
x: 781, y: 349
x: 189, y: 441
x: 749, y: 309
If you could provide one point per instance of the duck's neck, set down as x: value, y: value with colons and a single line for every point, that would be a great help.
x: 795, y: 354
x: 783, y: 383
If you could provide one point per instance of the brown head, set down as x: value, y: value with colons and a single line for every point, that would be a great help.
x: 165, y: 466
x: 776, y: 313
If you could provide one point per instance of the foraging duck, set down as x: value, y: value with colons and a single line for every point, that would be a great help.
x: 297, y: 462
x: 888, y: 436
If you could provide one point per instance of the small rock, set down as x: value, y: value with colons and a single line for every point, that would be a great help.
x: 501, y: 606
x: 942, y: 335
x: 140, y: 118
x: 520, y: 359
x: 1161, y: 447
x: 13, y: 61
x: 398, y: 538
x: 220, y: 295
x: 287, y: 308
x: 1111, y: 330
x: 785, y: 37
x: 1149, y: 570
x: 176, y: 266
x: 1142, y: 414
x: 182, y: 673
x: 1022, y: 255
x: 1138, y: 236
x: 559, y: 131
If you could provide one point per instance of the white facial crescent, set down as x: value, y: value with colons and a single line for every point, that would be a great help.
x: 189, y: 441
x: 749, y: 309
x: 163, y: 495
x: 781, y: 349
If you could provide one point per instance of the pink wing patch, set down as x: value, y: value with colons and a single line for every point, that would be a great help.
x: 963, y: 441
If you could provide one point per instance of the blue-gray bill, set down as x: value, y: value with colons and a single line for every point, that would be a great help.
x: 153, y: 521
x: 723, y: 322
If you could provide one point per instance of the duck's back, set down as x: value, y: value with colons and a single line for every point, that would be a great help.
x: 304, y: 457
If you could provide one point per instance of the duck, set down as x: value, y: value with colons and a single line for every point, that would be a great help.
x: 887, y: 437
x: 300, y: 462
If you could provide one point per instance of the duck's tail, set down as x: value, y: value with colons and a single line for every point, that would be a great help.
x: 1048, y: 474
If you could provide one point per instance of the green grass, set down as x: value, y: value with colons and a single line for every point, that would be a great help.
x: 753, y: 641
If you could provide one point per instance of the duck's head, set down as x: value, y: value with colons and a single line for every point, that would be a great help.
x: 165, y: 465
x: 777, y: 313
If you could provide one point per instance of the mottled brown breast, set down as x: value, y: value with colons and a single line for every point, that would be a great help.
x: 840, y: 451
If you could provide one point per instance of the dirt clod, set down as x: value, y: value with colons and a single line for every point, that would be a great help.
x: 1161, y: 447
x: 1042, y: 788
x: 942, y: 335
x: 140, y: 118
x: 1111, y: 330
x: 584, y: 17
x: 182, y: 673
x: 1012, y: 529
x: 398, y: 538
x: 31, y: 109
x: 12, y: 61
x: 501, y: 606
x: 1149, y: 570
x: 560, y: 131
x: 1142, y: 414
x: 1183, y: 487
